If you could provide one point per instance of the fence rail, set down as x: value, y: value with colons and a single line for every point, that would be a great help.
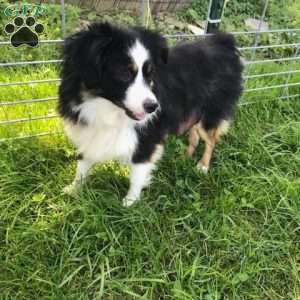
x: 16, y: 83
x: 29, y: 101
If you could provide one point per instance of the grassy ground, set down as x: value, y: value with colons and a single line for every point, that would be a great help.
x: 233, y: 234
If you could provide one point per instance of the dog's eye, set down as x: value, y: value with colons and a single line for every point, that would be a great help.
x: 124, y: 74
x: 148, y: 69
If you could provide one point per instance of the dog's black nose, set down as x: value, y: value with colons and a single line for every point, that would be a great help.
x: 150, y: 106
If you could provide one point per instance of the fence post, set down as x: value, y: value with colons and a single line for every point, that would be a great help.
x: 214, y: 15
x: 257, y: 36
x: 142, y: 11
x: 63, y: 18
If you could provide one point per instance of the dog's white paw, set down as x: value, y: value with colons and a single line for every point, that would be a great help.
x: 129, y: 201
x: 70, y: 189
x: 202, y: 168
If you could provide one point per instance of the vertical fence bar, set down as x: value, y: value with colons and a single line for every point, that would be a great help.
x: 208, y: 13
x: 63, y: 18
x: 214, y: 15
x: 257, y: 36
x: 143, y: 11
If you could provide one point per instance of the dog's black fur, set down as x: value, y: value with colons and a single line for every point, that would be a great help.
x: 199, y: 81
x: 91, y: 58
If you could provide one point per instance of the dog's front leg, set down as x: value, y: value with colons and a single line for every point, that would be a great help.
x: 83, y: 167
x: 139, y: 178
x: 141, y: 175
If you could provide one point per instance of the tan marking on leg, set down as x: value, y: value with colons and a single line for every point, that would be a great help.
x: 222, y: 129
x: 210, y: 142
x: 193, y: 141
x: 210, y: 137
x: 195, y: 133
x: 203, y: 133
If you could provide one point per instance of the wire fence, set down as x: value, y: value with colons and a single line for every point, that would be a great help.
x: 271, y: 68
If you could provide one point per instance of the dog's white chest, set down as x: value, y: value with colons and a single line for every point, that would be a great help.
x: 108, y: 135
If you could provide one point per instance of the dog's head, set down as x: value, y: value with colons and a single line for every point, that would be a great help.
x: 118, y: 65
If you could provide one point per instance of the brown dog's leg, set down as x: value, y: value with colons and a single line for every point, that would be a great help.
x: 210, y: 138
x: 210, y: 143
x: 194, y: 139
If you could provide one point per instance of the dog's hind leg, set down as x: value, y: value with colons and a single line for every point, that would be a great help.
x: 210, y: 142
x: 193, y: 139
x: 210, y: 137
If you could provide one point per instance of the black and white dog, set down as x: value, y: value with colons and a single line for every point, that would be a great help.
x: 123, y: 92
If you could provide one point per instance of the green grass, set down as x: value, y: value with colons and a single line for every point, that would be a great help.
x: 233, y: 234
x: 27, y: 92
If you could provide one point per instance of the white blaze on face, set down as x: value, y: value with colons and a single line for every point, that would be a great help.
x: 139, y: 91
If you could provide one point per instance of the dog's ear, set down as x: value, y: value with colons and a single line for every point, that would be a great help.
x: 156, y: 43
x: 84, y: 52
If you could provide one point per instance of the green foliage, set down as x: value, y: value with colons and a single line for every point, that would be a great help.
x: 116, y: 16
x: 52, y: 25
x: 219, y: 236
x: 285, y: 14
x: 279, y: 14
x: 282, y: 13
x: 197, y: 11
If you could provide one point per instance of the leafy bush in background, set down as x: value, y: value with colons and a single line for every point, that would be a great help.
x: 280, y: 13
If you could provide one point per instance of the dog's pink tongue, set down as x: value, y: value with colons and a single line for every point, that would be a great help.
x: 140, y: 116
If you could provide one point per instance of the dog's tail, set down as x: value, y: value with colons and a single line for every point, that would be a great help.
x: 225, y: 40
